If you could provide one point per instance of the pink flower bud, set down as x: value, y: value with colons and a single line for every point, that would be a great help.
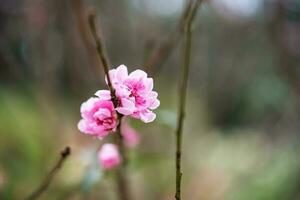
x: 130, y: 135
x: 109, y: 156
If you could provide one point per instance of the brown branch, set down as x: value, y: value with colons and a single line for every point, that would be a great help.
x: 101, y: 53
x: 46, y: 182
x: 121, y: 173
x: 164, y: 49
x: 79, y: 11
x: 122, y: 181
x: 186, y: 55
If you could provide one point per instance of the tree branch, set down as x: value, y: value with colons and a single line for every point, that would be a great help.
x: 186, y: 55
x: 122, y: 180
x: 163, y: 50
x: 121, y: 173
x: 101, y: 53
x: 45, y: 184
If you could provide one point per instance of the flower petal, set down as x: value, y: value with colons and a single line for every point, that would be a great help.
x: 147, y: 116
x: 154, y: 104
x: 148, y: 84
x: 138, y: 74
x: 121, y: 73
x: 103, y: 94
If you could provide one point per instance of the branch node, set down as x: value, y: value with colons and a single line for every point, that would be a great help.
x: 66, y: 152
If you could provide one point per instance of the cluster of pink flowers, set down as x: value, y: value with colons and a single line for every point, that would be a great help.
x: 134, y: 92
x: 135, y: 97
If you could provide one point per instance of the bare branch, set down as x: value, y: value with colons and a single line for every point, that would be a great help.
x: 186, y: 56
x: 46, y: 182
x: 101, y: 53
x: 164, y: 49
x: 122, y: 181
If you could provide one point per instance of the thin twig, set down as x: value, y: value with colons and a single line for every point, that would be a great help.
x: 122, y: 180
x: 186, y: 54
x: 163, y: 50
x: 78, y: 9
x: 101, y: 53
x: 46, y: 182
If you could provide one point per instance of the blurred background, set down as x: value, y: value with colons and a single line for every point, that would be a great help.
x: 241, y: 134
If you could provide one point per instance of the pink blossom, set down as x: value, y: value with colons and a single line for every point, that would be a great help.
x: 134, y: 92
x: 98, y: 116
x: 109, y: 156
x: 130, y: 135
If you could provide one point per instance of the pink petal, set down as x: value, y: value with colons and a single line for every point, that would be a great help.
x: 153, y: 94
x: 88, y: 105
x: 127, y: 107
x: 99, y: 131
x: 148, y: 84
x: 106, y: 104
x: 112, y: 75
x: 102, y: 113
x: 82, y: 126
x: 121, y: 73
x: 122, y: 91
x: 138, y: 74
x: 154, y: 104
x: 124, y: 111
x: 147, y: 116
x: 127, y: 103
x: 103, y: 94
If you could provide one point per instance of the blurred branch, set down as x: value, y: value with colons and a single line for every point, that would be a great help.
x: 79, y: 11
x: 289, y: 63
x: 163, y: 50
x: 100, y: 50
x: 45, y: 184
x: 122, y: 182
x: 186, y: 55
x: 121, y: 173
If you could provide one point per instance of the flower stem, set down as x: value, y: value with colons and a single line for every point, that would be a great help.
x: 101, y: 54
x: 121, y: 173
x: 45, y: 184
x: 186, y: 54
